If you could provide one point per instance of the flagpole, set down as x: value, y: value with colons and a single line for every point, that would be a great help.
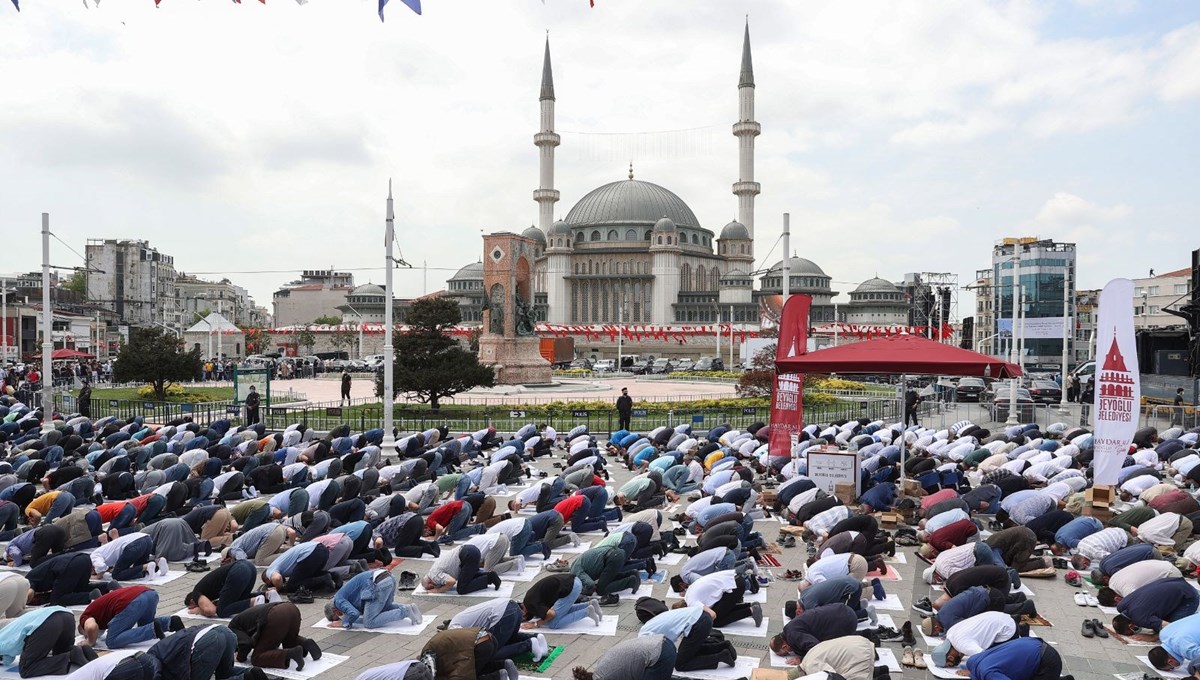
x: 389, y: 352
x: 47, y: 331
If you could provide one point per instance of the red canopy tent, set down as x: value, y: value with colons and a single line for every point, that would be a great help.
x: 902, y: 354
x: 65, y: 354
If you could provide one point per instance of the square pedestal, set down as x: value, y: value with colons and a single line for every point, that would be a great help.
x: 517, y: 361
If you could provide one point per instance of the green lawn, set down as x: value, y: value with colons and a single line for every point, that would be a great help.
x: 131, y: 394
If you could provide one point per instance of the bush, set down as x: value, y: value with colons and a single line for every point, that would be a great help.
x: 725, y: 375
x: 175, y: 393
x: 823, y: 383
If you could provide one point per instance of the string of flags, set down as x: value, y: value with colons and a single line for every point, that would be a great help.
x: 414, y: 5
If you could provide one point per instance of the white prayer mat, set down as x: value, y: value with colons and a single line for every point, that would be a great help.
x: 209, y: 559
x: 505, y: 591
x: 781, y: 661
x: 573, y: 550
x: 671, y: 559
x: 1111, y: 611
x: 1025, y: 589
x: 312, y: 668
x: 184, y: 614
x: 898, y: 558
x: 102, y: 644
x: 930, y: 641
x: 884, y: 620
x: 742, y: 668
x: 394, y: 628
x: 586, y: 626
x: 531, y: 572
x: 890, y: 603
x: 1165, y: 674
x: 157, y: 580
x: 948, y: 673
x: 887, y: 657
x: 746, y: 628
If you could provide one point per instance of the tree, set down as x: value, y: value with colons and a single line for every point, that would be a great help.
x: 305, y: 338
x: 430, y: 365
x: 257, y: 339
x: 343, y: 337
x: 77, y: 283
x: 327, y: 320
x: 759, y: 379
x: 157, y: 357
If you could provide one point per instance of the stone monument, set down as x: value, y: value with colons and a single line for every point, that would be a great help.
x: 509, y: 342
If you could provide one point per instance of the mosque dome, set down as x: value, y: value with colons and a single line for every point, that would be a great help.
x: 368, y: 289
x: 560, y: 228
x: 630, y: 202
x: 535, y: 234
x: 665, y: 224
x: 471, y: 272
x: 798, y: 266
x: 876, y: 285
x: 734, y: 230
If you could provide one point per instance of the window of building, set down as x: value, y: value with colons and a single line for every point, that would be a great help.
x: 695, y: 240
x: 1154, y: 290
x: 612, y: 234
x: 1181, y: 289
x: 595, y: 235
x: 660, y: 240
x: 1154, y: 309
x: 1139, y: 291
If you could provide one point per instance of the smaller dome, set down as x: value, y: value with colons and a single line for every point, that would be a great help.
x: 534, y: 233
x: 471, y: 272
x: 369, y: 289
x: 665, y: 224
x: 560, y: 228
x: 876, y: 285
x: 798, y: 266
x: 735, y: 230
x: 735, y: 274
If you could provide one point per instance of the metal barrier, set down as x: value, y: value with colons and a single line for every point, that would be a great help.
x: 1164, y: 417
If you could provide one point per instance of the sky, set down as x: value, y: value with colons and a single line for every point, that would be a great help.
x: 253, y: 141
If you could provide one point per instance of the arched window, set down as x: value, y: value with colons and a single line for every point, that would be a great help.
x: 631, y: 235
x: 647, y: 235
x: 660, y: 240
x: 695, y: 240
x: 701, y: 281
x: 595, y: 235
x: 716, y: 278
x: 568, y: 242
x: 743, y: 248
x: 612, y: 235
x: 685, y: 277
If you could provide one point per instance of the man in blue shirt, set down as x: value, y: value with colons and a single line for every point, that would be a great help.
x: 690, y: 626
x: 878, y: 498
x: 302, y: 567
x: 1120, y: 559
x: 1155, y: 603
x: 369, y: 596
x: 1071, y: 533
x: 1020, y: 659
x: 1178, y: 644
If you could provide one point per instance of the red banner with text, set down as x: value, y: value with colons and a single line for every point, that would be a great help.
x: 787, y: 395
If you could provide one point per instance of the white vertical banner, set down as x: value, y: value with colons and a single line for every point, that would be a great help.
x: 1118, y: 382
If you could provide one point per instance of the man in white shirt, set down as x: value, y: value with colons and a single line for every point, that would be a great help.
x: 972, y: 636
x: 128, y: 558
x: 722, y: 592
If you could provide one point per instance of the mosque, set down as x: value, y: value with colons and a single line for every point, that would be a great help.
x: 632, y: 252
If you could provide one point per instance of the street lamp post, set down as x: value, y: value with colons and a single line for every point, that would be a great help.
x: 47, y: 331
x: 1066, y: 330
x: 1012, y: 346
x: 389, y: 438
x: 360, y: 328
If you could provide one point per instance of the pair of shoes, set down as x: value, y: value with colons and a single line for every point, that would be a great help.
x: 196, y: 566
x: 1094, y: 628
x: 1084, y: 600
x: 792, y: 575
x: 887, y: 633
x: 302, y: 596
x: 609, y: 600
x: 559, y: 566
x: 1060, y: 563
x: 1073, y: 578
x: 408, y: 581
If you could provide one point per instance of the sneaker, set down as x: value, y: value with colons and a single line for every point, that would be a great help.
x: 1073, y: 578
x: 1060, y: 563
x: 907, y: 658
x: 919, y: 659
x: 887, y: 633
x: 609, y: 600
x: 1081, y: 599
x: 924, y: 606
x: 907, y: 632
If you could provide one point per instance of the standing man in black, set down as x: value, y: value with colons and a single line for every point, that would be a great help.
x: 1176, y: 413
x: 346, y: 386
x: 911, y: 399
x: 624, y: 409
x: 252, y: 402
x: 85, y: 400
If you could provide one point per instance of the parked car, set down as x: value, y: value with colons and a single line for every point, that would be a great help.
x: 605, y: 366
x: 661, y: 366
x: 709, y: 364
x: 1025, y: 405
x: 685, y: 365
x: 1045, y: 391
x: 641, y: 367
x: 583, y: 363
x: 970, y: 389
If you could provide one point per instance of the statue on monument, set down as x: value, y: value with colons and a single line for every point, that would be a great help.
x: 523, y: 315
x: 494, y: 303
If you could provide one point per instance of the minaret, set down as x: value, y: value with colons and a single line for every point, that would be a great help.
x: 746, y: 129
x: 545, y: 141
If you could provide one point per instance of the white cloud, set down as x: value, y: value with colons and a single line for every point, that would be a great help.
x: 1068, y: 210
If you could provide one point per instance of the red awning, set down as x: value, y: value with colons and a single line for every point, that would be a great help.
x: 63, y: 354
x: 899, y: 354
